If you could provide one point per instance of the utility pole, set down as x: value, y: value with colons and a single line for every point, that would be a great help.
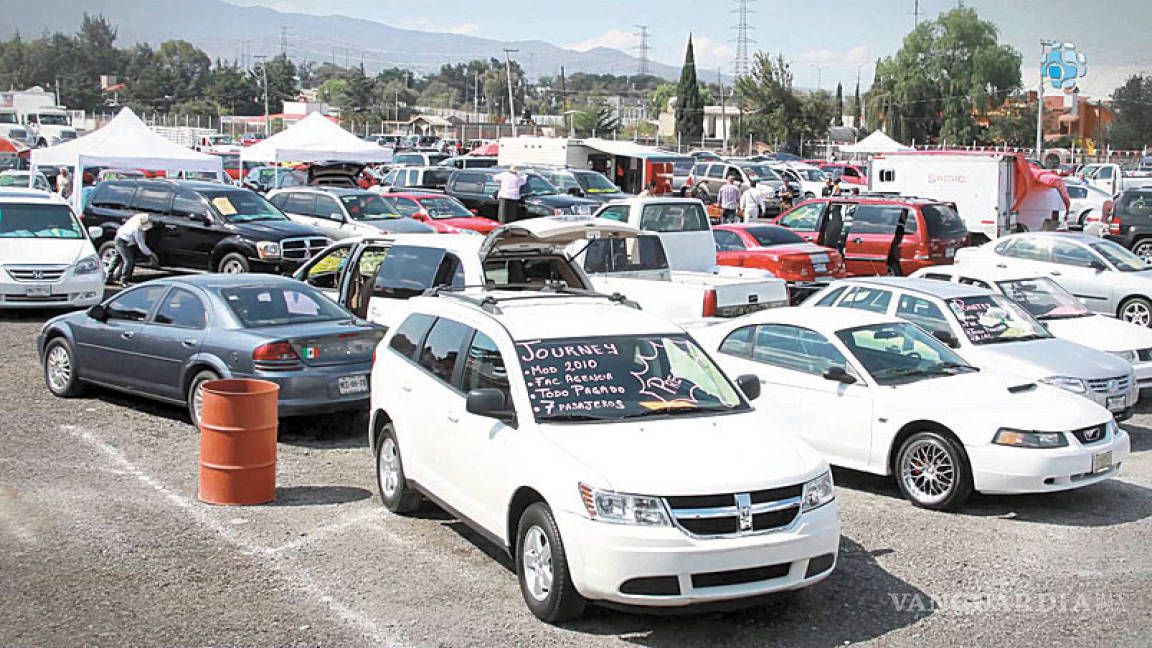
x: 476, y: 95
x: 916, y: 13
x: 644, y: 69
x: 264, y: 73
x: 511, y: 101
x: 1044, y: 45
x: 723, y: 109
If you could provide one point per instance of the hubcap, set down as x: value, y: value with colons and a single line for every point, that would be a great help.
x: 232, y: 267
x: 928, y: 472
x: 537, y: 559
x: 389, y: 467
x: 1144, y: 251
x: 107, y: 259
x: 59, y: 368
x: 1136, y: 313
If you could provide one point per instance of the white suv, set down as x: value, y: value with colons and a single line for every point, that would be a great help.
x: 620, y: 465
x: 46, y: 257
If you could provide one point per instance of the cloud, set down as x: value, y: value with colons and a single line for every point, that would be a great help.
x: 467, y: 29
x: 613, y: 38
x: 713, y: 54
x: 856, y: 56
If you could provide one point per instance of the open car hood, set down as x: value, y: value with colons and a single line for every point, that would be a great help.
x: 334, y: 174
x: 553, y: 233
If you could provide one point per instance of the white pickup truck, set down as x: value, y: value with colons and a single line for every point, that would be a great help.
x: 369, y: 275
x: 1113, y: 178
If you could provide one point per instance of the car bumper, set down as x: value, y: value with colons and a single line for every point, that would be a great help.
x: 275, y: 266
x: 1004, y: 470
x: 1143, y: 373
x: 603, y: 558
x: 77, y: 292
x: 1121, y: 413
x: 315, y: 390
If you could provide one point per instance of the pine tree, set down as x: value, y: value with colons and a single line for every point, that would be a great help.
x: 839, y: 103
x: 857, y: 107
x: 689, y: 104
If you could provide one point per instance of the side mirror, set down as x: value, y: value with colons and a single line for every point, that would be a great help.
x: 575, y: 191
x: 337, y: 216
x: 203, y: 219
x: 750, y: 385
x: 98, y: 313
x: 95, y: 232
x: 840, y: 375
x: 947, y: 338
x: 1097, y: 266
x: 491, y: 403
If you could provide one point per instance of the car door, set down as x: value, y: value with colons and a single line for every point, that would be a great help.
x: 186, y: 235
x: 805, y: 220
x: 332, y: 218
x: 730, y: 250
x: 870, y: 237
x: 107, y: 351
x: 1080, y: 271
x: 299, y: 207
x: 326, y: 270
x: 834, y: 417
x: 169, y: 338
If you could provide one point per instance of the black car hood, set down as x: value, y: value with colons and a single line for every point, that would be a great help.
x: 559, y: 200
x: 273, y: 230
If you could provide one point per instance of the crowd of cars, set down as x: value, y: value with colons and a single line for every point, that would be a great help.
x: 557, y: 382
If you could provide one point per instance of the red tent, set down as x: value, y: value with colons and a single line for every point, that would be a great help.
x: 491, y: 149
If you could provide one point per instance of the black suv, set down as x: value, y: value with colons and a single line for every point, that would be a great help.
x: 1128, y: 221
x: 203, y: 226
x: 477, y: 189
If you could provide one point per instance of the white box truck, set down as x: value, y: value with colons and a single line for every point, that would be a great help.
x: 629, y: 165
x: 46, y: 123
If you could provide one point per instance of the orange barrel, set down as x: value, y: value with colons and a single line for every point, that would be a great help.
x: 238, y: 426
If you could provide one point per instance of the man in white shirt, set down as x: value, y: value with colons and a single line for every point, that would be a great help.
x: 509, y: 194
x: 129, y: 241
x: 752, y: 202
x: 729, y: 199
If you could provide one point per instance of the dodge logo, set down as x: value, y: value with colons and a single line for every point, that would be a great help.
x: 744, y: 507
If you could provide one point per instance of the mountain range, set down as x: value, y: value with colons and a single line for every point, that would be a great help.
x: 231, y: 32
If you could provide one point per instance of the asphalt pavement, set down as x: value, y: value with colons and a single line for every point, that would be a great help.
x: 102, y: 542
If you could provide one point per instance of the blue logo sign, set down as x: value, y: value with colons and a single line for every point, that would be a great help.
x: 1063, y: 66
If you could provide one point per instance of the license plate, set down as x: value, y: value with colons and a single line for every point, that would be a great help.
x: 1101, y: 461
x: 1116, y: 403
x: 819, y: 258
x: 352, y: 384
x: 38, y: 291
x: 820, y: 268
x: 949, y: 253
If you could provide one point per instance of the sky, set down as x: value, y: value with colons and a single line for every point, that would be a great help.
x: 827, y: 42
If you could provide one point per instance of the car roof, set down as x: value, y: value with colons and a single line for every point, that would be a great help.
x: 228, y: 281
x: 932, y: 287
x: 1068, y: 236
x: 874, y: 199
x: 339, y: 191
x: 26, y: 195
x: 983, y: 272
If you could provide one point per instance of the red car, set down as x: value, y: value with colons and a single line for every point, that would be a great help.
x: 778, y: 250
x: 248, y: 139
x: 848, y: 173
x: 438, y: 210
x: 893, y: 236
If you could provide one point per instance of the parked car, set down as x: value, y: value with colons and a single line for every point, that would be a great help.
x: 248, y: 139
x: 263, y: 179
x: 203, y: 226
x: 438, y: 209
x: 582, y: 183
x: 165, y: 338
x: 848, y: 173
x: 530, y: 392
x: 1107, y: 277
x: 779, y: 251
x: 414, y: 177
x: 708, y: 177
x: 879, y: 234
x: 1087, y: 204
x: 477, y: 189
x: 46, y: 255
x: 231, y: 162
x: 17, y: 178
x: 873, y: 393
x: 419, y: 158
x: 809, y: 177
x: 1114, y: 179
x: 1129, y: 222
x: 340, y: 213
x: 991, y: 332
x: 470, y: 161
x: 1060, y: 311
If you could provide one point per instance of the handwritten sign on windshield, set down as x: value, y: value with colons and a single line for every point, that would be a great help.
x: 978, y: 319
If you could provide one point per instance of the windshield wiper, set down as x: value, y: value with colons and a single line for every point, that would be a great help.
x: 672, y: 411
x: 949, y: 368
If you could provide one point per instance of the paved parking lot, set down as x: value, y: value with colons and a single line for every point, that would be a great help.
x: 102, y: 542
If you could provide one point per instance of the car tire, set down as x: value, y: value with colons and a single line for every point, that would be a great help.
x: 1136, y: 310
x: 232, y: 263
x: 932, y: 471
x: 542, y: 568
x: 1143, y: 249
x: 60, y: 369
x: 893, y: 270
x: 395, y: 493
x: 194, y: 395
x: 107, y: 254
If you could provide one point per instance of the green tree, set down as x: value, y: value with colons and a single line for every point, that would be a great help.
x: 1013, y: 124
x: 689, y: 103
x: 658, y: 98
x: 1133, y: 105
x: 772, y: 109
x: 857, y: 107
x: 839, y: 101
x: 597, y: 120
x: 234, y: 90
x: 281, y: 81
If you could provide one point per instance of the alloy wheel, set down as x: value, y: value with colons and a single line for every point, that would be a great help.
x: 928, y: 471
x: 1136, y: 313
x: 1143, y: 250
x: 107, y: 259
x: 59, y: 368
x: 389, y: 468
x: 537, y: 559
x: 232, y: 267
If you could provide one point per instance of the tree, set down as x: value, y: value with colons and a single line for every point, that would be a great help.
x: 658, y: 98
x: 598, y: 119
x: 839, y: 101
x: 857, y: 107
x: 1014, y: 124
x: 1133, y: 105
x: 689, y: 103
x: 281, y: 81
x: 772, y: 109
x: 234, y: 90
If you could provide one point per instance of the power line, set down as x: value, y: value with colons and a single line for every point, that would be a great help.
x: 741, y: 62
x: 645, y: 67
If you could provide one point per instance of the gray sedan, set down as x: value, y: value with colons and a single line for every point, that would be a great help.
x: 164, y: 339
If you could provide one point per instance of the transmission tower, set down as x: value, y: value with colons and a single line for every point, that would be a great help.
x: 645, y: 65
x: 283, y: 40
x: 741, y: 62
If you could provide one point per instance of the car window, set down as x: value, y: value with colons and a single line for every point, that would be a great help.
x: 484, y: 366
x: 700, y: 170
x: 936, y: 276
x: 442, y: 347
x: 187, y: 203
x: 327, y: 208
x: 1076, y: 192
x: 112, y: 195
x: 880, y: 219
x: 674, y: 217
x: 278, y: 305
x: 974, y: 282
x: 1104, y: 173
x: 183, y: 309
x: 406, y: 206
x: 152, y: 199
x: 921, y: 312
x: 410, y: 336
x: 325, y: 272
x: 795, y: 348
x: 1066, y: 253
x: 1032, y: 249
x: 803, y: 218
x: 625, y: 255
x: 408, y: 271
x: 739, y: 342
x: 716, y: 171
x: 135, y: 304
x: 300, y: 203
x: 727, y: 241
x: 869, y: 299
x: 615, y: 213
x: 468, y: 183
x: 830, y: 298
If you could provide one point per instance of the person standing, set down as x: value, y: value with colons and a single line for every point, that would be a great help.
x: 649, y: 191
x: 837, y: 190
x: 129, y: 241
x: 729, y: 198
x: 509, y: 195
x: 752, y: 202
x: 828, y: 187
x: 64, y: 182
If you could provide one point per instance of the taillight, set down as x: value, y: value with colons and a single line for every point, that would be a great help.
x: 275, y: 356
x: 1109, y: 217
x: 710, y: 303
x: 796, y: 265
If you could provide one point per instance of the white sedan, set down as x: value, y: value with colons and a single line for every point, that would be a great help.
x: 1061, y: 313
x: 1086, y: 203
x: 877, y: 394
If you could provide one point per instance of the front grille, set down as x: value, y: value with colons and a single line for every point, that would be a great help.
x: 720, y: 515
x: 25, y: 299
x: 302, y: 248
x: 741, y: 576
x: 36, y: 273
x: 1094, y: 434
x: 1119, y: 384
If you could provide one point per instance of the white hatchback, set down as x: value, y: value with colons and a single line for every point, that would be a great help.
x: 47, y: 257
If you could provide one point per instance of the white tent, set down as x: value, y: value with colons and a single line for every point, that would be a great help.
x: 315, y: 139
x: 124, y: 142
x: 877, y: 142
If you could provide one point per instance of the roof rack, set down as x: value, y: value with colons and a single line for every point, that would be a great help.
x: 490, y: 303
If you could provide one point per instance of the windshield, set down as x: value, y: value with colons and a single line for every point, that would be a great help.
x: 943, y: 221
x: 53, y: 120
x: 21, y: 180
x: 38, y: 221
x: 1120, y: 257
x: 562, y: 179
x: 7, y: 118
x: 257, y: 306
x: 369, y: 207
x: 1044, y: 298
x: 759, y: 172
x: 242, y: 206
x: 538, y: 186
x: 593, y: 182
x: 682, y: 167
x: 613, y: 378
x: 991, y: 319
x: 811, y: 175
x: 769, y: 236
x: 446, y: 207
x: 900, y: 352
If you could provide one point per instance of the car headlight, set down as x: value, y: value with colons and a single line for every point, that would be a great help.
x: 1129, y: 356
x: 267, y: 249
x: 622, y: 508
x: 818, y: 492
x: 1074, y: 385
x: 1024, y: 439
x: 87, y: 265
x: 463, y: 230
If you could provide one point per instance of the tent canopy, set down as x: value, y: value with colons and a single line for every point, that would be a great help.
x: 877, y: 142
x: 126, y: 142
x: 315, y: 139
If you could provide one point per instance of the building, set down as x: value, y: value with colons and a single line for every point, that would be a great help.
x: 720, y: 122
x: 1084, y: 120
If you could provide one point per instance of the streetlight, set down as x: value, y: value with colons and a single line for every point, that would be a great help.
x: 819, y: 74
x: 571, y: 122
